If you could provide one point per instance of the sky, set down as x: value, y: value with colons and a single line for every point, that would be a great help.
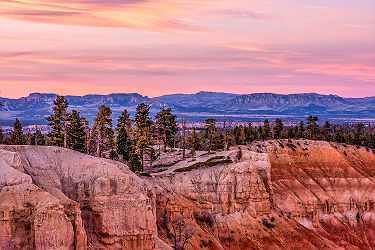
x: 156, y: 47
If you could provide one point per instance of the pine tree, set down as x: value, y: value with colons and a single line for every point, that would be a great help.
x: 326, y: 131
x: 2, y: 139
x: 239, y: 135
x: 76, y: 131
x: 123, y: 141
x: 217, y: 141
x: 134, y: 160
x: 339, y: 135
x: 369, y: 140
x: 266, y: 129
x: 142, y: 119
x: 312, y: 127
x: 278, y: 128
x: 167, y: 124
x: 260, y: 133
x: 357, y: 137
x: 250, y: 133
x: 194, y: 141
x: 16, y: 135
x: 58, y: 121
x: 210, y: 125
x: 38, y: 137
x: 142, y: 147
x: 103, y: 130
x: 300, y: 130
x: 290, y: 133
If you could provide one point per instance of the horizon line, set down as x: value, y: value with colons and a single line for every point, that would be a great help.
x: 180, y: 93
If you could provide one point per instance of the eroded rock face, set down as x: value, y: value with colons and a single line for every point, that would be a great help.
x: 61, y: 197
x: 281, y: 194
x: 232, y: 207
x: 31, y: 218
x: 326, y: 187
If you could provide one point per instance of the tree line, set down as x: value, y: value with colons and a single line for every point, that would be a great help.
x: 134, y: 140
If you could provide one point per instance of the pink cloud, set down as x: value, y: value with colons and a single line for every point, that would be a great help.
x: 82, y: 46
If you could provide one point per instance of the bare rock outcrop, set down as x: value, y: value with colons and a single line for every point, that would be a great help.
x: 281, y: 194
x: 326, y: 187
x: 61, y: 197
x: 231, y: 205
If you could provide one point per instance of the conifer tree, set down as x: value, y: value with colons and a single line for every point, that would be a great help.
x: 250, y: 133
x: 260, y: 133
x: 266, y: 129
x: 217, y: 141
x: 339, y: 135
x: 2, y: 139
x: 369, y: 140
x: 134, y: 160
x: 142, y: 147
x: 300, y: 130
x: 38, y: 137
x: 326, y: 131
x: 123, y: 141
x: 290, y: 133
x: 16, y: 135
x: 312, y: 127
x: 142, y: 119
x: 76, y: 132
x: 357, y: 137
x: 194, y: 142
x: 58, y: 121
x: 103, y: 131
x: 167, y: 124
x: 278, y: 128
x: 183, y: 125
x: 239, y: 135
x: 210, y: 125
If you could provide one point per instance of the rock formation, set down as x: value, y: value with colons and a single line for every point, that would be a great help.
x: 280, y: 194
x: 56, y: 198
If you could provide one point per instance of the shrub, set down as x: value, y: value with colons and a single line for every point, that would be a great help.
x: 209, y: 163
x: 204, y: 218
x: 145, y: 174
x: 267, y: 224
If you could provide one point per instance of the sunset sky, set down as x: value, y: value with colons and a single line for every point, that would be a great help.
x: 157, y: 47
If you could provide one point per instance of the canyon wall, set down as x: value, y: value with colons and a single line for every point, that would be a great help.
x: 280, y: 194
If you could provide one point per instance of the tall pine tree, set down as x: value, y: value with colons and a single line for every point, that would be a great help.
x: 142, y: 148
x: 326, y: 131
x: 312, y: 128
x: 38, y: 137
x: 278, y: 128
x: 76, y: 131
x: 58, y: 121
x: 194, y: 142
x: 142, y: 119
x: 123, y: 141
x: 266, y: 129
x: 16, y: 135
x: 167, y: 125
x: 103, y: 131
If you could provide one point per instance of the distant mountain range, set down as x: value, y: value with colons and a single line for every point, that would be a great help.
x: 254, y: 107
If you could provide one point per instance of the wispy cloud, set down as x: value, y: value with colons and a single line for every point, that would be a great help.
x: 157, y: 46
x: 147, y: 15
